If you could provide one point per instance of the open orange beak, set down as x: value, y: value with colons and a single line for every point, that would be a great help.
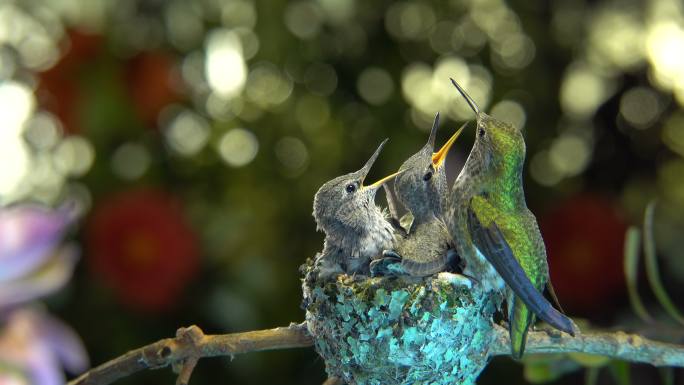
x: 382, y: 181
x: 439, y: 157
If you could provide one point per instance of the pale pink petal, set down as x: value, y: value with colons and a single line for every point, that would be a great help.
x: 27, y: 234
x: 50, y: 277
x: 65, y: 344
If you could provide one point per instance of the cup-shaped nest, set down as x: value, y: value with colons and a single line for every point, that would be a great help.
x: 436, y: 330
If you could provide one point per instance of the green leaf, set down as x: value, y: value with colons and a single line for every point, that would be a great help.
x: 652, y: 272
x: 620, y: 372
x: 589, y: 360
x: 539, y: 373
x: 591, y: 376
x: 544, y: 368
x: 632, y: 243
x: 667, y: 374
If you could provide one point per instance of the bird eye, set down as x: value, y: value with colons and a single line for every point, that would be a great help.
x: 350, y: 188
x: 481, y: 132
x: 427, y: 176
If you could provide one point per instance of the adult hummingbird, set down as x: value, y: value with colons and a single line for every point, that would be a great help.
x: 498, y: 237
x: 356, y: 230
x: 425, y: 244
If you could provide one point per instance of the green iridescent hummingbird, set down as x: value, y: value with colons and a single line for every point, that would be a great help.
x: 498, y: 236
x: 423, y: 246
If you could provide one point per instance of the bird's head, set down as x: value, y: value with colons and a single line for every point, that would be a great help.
x: 345, y: 203
x: 422, y: 184
x: 499, y: 144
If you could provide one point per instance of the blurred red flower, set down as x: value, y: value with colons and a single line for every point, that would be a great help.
x: 149, y: 79
x: 59, y: 89
x: 141, y: 245
x: 584, y: 239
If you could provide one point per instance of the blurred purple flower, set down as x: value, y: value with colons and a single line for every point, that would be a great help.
x: 35, y: 346
x: 27, y: 234
x: 31, y: 264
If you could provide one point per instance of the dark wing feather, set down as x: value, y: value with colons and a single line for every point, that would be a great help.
x: 552, y: 293
x: 491, y: 242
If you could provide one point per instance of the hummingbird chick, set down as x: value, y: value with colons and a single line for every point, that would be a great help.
x: 498, y: 236
x: 423, y: 248
x: 356, y: 230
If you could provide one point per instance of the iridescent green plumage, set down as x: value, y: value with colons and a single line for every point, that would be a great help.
x: 489, y: 191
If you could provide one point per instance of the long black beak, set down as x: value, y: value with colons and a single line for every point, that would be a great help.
x: 433, y: 132
x: 369, y: 163
x: 467, y: 97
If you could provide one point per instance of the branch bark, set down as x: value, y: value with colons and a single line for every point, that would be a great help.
x: 620, y: 345
x: 190, y: 345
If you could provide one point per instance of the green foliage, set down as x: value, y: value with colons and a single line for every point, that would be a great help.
x: 620, y: 372
x: 652, y: 271
x: 545, y: 368
x: 632, y: 243
x: 667, y: 376
x: 591, y: 376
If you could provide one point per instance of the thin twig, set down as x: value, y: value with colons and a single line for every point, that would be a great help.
x: 620, y: 345
x: 190, y: 345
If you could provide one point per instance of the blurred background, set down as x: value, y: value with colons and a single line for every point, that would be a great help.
x: 192, y: 136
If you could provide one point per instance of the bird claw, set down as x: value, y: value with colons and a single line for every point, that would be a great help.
x: 388, y: 265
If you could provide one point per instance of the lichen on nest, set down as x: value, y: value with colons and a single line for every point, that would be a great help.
x: 384, y: 330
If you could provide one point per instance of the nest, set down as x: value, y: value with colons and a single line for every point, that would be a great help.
x: 435, y: 330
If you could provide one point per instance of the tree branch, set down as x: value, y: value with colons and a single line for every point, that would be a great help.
x: 628, y: 347
x: 190, y: 345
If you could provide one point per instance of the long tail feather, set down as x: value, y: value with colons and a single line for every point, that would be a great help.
x: 520, y: 318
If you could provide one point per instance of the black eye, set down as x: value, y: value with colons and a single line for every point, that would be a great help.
x: 350, y: 188
x: 481, y: 132
x: 427, y: 176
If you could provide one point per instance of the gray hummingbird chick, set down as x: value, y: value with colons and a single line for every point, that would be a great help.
x: 356, y: 230
x: 422, y: 189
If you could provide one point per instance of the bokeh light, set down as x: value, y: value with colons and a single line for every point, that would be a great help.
x: 131, y: 160
x: 582, y: 91
x: 74, y: 156
x: 375, y: 85
x: 640, y: 107
x: 293, y: 155
x: 225, y: 67
x: 238, y: 147
x: 187, y: 133
x: 233, y: 107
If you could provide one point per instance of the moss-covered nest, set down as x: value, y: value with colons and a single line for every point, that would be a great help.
x: 436, y: 330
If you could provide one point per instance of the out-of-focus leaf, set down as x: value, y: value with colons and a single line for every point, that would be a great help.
x: 589, y: 360
x: 667, y: 374
x: 544, y: 368
x: 539, y: 373
x: 620, y: 372
x: 632, y: 243
x: 591, y: 376
x: 652, y: 272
